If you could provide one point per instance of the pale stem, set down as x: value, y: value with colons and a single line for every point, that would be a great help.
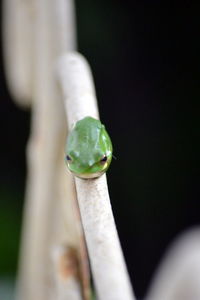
x: 107, y: 261
x: 178, y: 277
x: 18, y: 28
x: 36, y: 33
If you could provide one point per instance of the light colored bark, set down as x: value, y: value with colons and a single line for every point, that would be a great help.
x: 18, y: 25
x: 52, y: 249
x: 107, y: 262
x: 178, y: 277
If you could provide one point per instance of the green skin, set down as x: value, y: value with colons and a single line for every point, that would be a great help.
x: 89, y: 149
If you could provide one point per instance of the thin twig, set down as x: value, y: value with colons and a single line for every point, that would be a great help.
x: 107, y: 262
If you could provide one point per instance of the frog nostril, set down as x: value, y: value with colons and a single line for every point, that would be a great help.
x: 90, y: 163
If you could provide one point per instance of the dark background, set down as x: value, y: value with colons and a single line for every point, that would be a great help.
x: 145, y: 61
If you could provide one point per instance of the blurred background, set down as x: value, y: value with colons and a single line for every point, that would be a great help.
x: 145, y: 60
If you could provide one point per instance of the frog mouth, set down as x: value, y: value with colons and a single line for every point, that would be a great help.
x: 89, y: 175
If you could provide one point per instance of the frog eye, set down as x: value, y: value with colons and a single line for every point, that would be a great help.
x: 68, y: 158
x: 103, y: 159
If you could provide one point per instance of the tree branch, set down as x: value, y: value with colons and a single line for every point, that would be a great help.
x: 107, y: 262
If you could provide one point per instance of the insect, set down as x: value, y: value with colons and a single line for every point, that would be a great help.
x: 88, y: 149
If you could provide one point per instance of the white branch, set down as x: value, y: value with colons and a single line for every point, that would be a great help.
x: 107, y: 262
x: 178, y: 277
x: 18, y: 27
x: 49, y: 234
